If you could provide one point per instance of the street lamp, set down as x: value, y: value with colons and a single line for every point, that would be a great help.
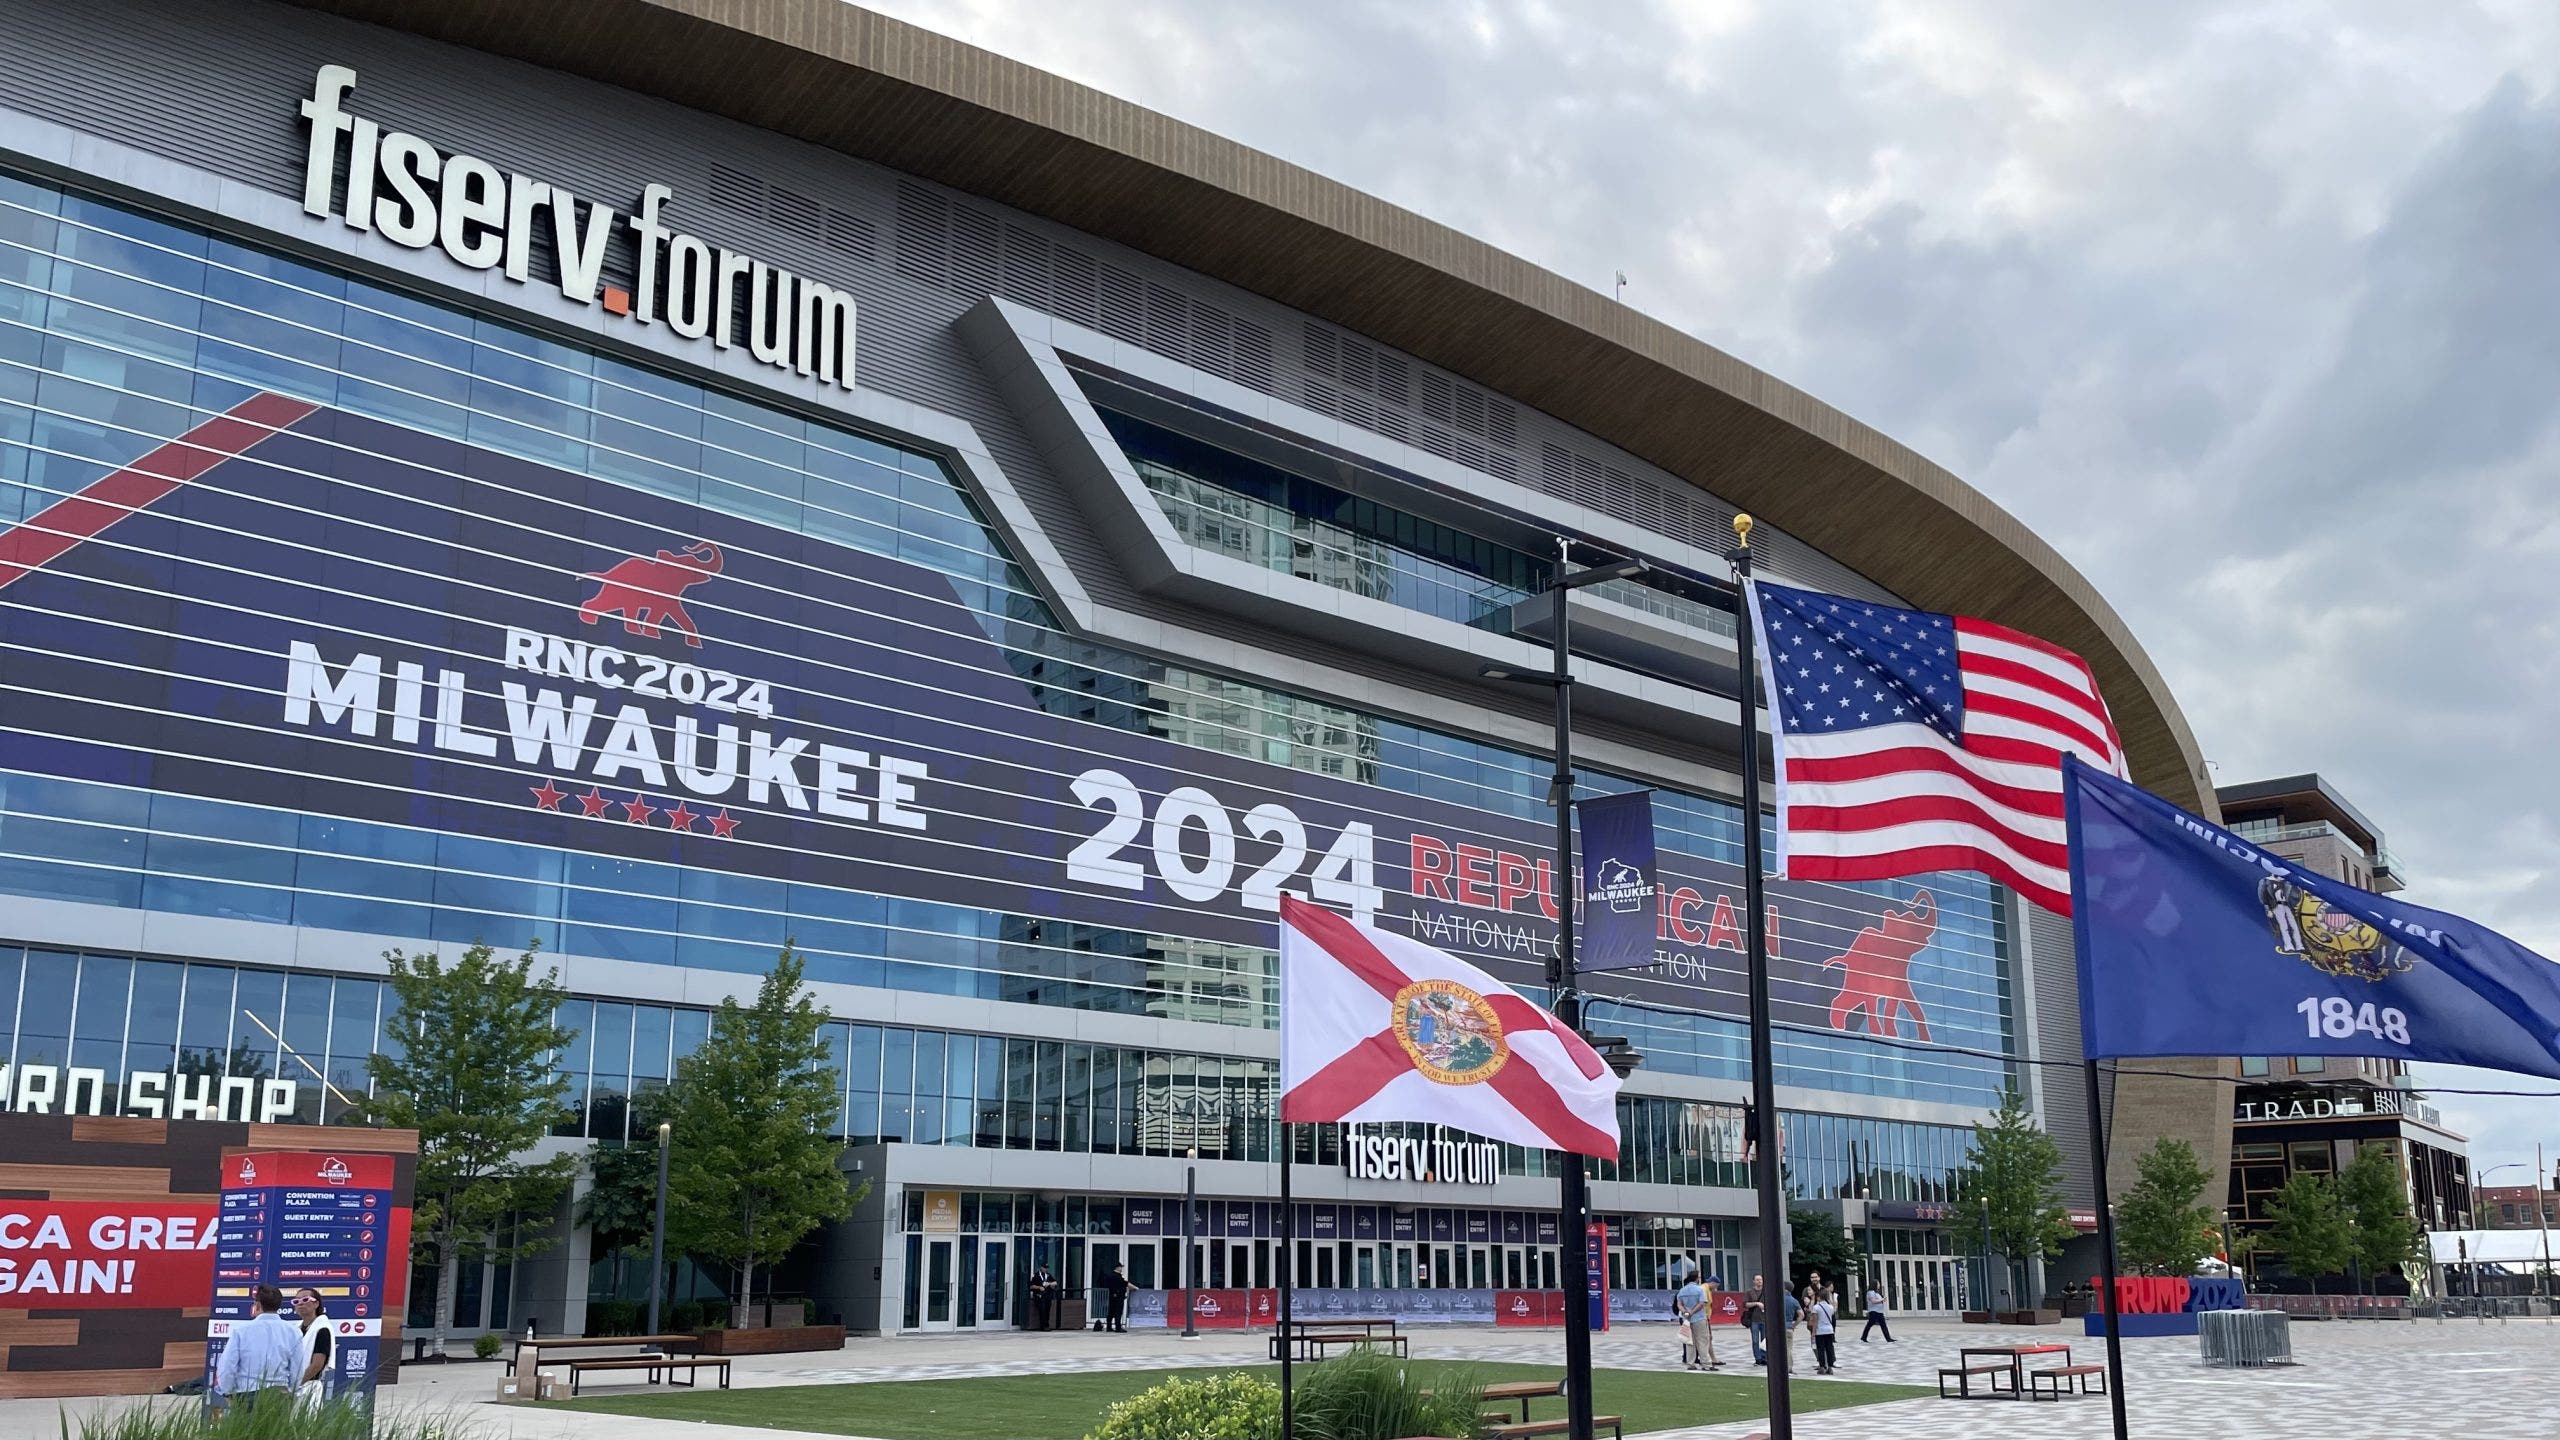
x: 1565, y: 995
x: 2541, y: 1220
x: 658, y: 1231
x: 1190, y: 1259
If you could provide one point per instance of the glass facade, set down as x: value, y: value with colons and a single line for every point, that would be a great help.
x: 125, y: 1016
x: 119, y: 330
x: 1276, y: 520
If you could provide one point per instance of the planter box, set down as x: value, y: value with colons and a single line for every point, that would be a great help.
x: 1976, y: 1317
x: 2030, y: 1317
x: 776, y: 1340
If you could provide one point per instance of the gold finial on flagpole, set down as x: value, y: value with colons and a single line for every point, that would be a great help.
x: 1742, y: 530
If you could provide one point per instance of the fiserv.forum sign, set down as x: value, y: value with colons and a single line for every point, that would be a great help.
x: 403, y: 188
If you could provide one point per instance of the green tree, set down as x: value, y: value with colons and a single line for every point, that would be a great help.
x: 2160, y: 1229
x: 755, y: 1163
x: 473, y: 1073
x: 2375, y: 1196
x: 1820, y: 1244
x: 2310, y: 1227
x: 2014, y: 1184
x: 622, y: 1198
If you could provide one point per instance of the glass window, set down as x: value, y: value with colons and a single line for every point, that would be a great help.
x: 151, y: 1031
x: 609, y: 1083
x: 2253, y: 1064
x: 11, y: 958
x: 578, y: 1017
x: 106, y: 985
x: 897, y: 1084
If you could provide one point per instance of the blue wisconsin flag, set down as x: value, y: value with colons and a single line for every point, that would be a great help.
x: 2194, y: 942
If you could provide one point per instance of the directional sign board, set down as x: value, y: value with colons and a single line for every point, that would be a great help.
x: 333, y: 1223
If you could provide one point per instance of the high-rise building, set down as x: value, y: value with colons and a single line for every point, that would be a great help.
x: 2295, y: 1114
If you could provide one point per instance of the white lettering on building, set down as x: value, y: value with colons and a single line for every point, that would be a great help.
x: 402, y: 188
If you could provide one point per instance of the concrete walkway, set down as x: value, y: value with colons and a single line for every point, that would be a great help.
x: 2389, y: 1380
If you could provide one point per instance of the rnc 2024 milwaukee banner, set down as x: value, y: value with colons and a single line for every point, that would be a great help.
x: 298, y: 607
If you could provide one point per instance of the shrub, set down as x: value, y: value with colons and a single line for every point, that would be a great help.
x: 1368, y: 1394
x: 1229, y: 1406
x: 488, y: 1344
x: 615, y: 1317
x: 344, y: 1418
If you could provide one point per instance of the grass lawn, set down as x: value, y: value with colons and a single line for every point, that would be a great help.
x: 1064, y: 1407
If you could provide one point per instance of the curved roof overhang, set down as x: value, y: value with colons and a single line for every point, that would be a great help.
x: 885, y: 91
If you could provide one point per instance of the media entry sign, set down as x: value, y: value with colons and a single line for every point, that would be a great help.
x: 333, y: 1223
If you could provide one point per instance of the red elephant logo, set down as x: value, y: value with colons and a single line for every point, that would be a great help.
x: 1875, y: 971
x: 644, y: 590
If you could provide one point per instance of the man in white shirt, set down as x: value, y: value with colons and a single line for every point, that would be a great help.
x: 263, y: 1356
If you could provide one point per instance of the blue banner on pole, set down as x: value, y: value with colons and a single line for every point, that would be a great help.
x: 1621, y: 892
x: 2194, y: 942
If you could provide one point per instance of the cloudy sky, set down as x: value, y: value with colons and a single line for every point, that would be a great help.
x: 2253, y: 309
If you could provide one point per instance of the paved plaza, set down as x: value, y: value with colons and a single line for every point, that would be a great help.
x: 2369, y: 1380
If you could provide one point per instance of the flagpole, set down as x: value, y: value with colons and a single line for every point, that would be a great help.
x: 1565, y: 997
x: 2106, y: 1242
x: 1288, y: 1265
x: 1764, y: 1089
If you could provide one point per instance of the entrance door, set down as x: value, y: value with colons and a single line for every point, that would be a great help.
x: 995, y: 1297
x: 942, y: 1300
x: 1364, y: 1262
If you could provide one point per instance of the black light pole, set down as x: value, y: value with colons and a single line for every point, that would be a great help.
x: 658, y: 1232
x: 1573, y: 1209
x: 2106, y: 1248
x: 1190, y: 1264
x: 1764, y: 1064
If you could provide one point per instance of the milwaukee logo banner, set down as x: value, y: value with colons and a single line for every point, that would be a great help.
x: 297, y: 607
x: 1375, y: 1026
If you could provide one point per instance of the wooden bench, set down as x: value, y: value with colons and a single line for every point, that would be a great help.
x: 1314, y: 1343
x: 1558, y: 1426
x: 2057, y: 1381
x: 1963, y: 1376
x: 653, y: 1364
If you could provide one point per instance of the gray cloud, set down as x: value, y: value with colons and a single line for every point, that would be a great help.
x: 2252, y: 308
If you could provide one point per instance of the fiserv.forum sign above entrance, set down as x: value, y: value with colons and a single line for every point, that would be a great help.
x: 403, y: 188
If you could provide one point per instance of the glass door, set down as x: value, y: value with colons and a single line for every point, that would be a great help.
x: 995, y: 1301
x: 941, y: 1283
x: 1364, y: 1266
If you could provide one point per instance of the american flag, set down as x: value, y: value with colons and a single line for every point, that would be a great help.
x: 1911, y: 742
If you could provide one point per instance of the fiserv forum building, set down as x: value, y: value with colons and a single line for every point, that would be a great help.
x: 657, y: 479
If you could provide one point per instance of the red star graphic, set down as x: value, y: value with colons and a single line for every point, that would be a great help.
x: 721, y: 824
x: 594, y: 803
x: 637, y: 809
x: 680, y: 818
x: 546, y: 797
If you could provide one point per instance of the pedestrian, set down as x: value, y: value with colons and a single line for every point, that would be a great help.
x: 1786, y: 1334
x: 1688, y: 1314
x: 1820, y: 1318
x: 317, y: 1344
x: 1044, y: 1290
x: 1116, y: 1288
x: 1755, y: 1318
x: 1875, y: 1317
x: 260, y: 1358
x: 1706, y: 1337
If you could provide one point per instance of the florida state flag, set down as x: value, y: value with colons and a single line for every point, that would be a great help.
x: 1376, y: 1026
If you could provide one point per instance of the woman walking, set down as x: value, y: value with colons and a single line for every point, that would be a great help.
x: 1875, y: 1317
